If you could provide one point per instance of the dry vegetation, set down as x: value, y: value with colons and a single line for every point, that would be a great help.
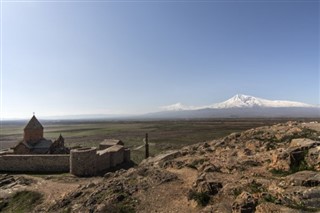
x: 163, y: 135
x: 266, y: 169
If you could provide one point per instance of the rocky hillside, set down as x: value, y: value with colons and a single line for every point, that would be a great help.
x: 267, y: 169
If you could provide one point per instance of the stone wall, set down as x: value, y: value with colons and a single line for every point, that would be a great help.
x: 21, y: 149
x: 80, y: 162
x: 90, y: 161
x: 103, y: 161
x: 116, y: 156
x: 33, y: 135
x: 34, y: 163
x: 127, y: 155
x: 83, y: 161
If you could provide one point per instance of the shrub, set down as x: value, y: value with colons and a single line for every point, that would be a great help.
x: 279, y: 172
x: 298, y: 163
x: 270, y: 198
x: 256, y: 187
x: 202, y: 198
x: 236, y: 192
x: 23, y: 201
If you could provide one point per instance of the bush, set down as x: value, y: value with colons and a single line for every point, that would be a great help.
x: 269, y: 198
x: 23, y: 201
x: 298, y: 162
x: 256, y: 187
x: 202, y: 198
x: 237, y: 191
x: 279, y: 172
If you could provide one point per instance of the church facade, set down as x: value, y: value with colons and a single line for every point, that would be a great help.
x: 34, y: 143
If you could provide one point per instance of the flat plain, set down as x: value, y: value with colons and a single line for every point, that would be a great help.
x: 163, y: 135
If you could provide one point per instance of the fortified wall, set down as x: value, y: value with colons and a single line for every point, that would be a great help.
x: 80, y: 162
x: 35, y: 163
x: 90, y: 161
x: 39, y: 155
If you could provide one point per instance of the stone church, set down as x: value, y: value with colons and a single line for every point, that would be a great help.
x: 34, y: 143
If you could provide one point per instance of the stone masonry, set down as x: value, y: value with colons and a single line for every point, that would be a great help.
x: 80, y: 162
x: 37, y: 154
x: 91, y: 161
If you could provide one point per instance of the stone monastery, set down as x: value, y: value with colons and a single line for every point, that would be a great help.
x: 35, y: 154
x: 34, y: 143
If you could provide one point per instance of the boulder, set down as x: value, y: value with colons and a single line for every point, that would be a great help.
x: 313, y: 158
x: 160, y: 159
x: 271, y: 207
x: 300, y: 196
x: 205, y: 183
x: 244, y: 203
x: 8, y: 181
x: 280, y: 160
x: 208, y: 167
x: 303, y: 178
x: 297, y: 156
x: 304, y: 143
x: 302, y: 189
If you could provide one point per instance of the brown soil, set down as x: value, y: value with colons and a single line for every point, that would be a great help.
x: 170, y: 197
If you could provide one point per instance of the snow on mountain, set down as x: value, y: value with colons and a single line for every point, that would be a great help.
x: 239, y: 101
x: 179, y: 107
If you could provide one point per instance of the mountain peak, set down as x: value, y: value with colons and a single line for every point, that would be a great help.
x: 175, y: 107
x: 246, y: 101
x: 239, y: 101
x: 242, y: 97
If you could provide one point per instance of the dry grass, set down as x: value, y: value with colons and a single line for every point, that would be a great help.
x: 163, y: 135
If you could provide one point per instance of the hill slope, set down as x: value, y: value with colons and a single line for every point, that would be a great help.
x: 267, y: 169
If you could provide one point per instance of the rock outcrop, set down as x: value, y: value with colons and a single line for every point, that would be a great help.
x: 267, y: 169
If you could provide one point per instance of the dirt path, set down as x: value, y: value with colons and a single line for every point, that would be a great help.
x: 52, y: 190
x: 172, y: 196
x: 188, y: 175
x: 55, y: 189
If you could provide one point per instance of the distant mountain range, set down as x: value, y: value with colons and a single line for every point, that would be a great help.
x: 239, y: 101
x: 237, y: 107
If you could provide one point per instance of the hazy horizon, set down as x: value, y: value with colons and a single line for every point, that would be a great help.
x: 134, y: 57
x: 278, y: 104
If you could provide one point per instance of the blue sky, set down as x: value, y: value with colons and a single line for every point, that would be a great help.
x: 61, y: 58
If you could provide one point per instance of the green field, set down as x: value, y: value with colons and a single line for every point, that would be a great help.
x: 163, y: 135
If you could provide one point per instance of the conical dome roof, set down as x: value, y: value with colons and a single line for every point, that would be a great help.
x: 33, y: 124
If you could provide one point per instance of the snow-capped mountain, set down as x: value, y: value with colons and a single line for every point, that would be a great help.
x: 239, y: 106
x: 239, y: 101
x: 180, y: 107
x: 176, y: 107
